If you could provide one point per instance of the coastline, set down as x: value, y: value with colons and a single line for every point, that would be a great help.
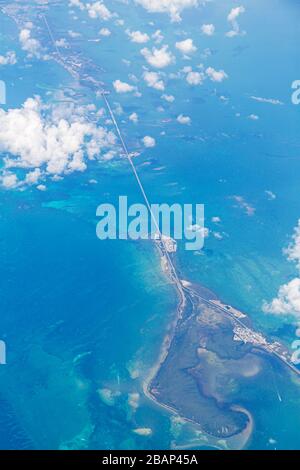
x: 241, y: 324
x: 233, y: 441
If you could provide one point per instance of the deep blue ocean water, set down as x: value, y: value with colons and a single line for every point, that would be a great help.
x: 84, y: 319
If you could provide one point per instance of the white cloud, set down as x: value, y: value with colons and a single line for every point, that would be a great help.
x: 253, y: 117
x: 134, y: 118
x: 8, y: 59
x: 293, y: 250
x: 266, y: 100
x: 153, y: 80
x: 33, y: 176
x: 168, y: 98
x: 218, y: 235
x: 137, y: 36
x: 186, y: 69
x: 243, y: 204
x: 95, y: 10
x: 48, y: 140
x: 149, y: 141
x: 235, y: 13
x: 208, y: 29
x: 194, y: 78
x: 232, y: 33
x: 216, y: 75
x: 158, y: 58
x: 270, y: 194
x: 287, y: 300
x: 29, y: 44
x: 172, y: 7
x: 186, y: 46
x: 199, y: 229
x: 73, y: 34
x: 77, y: 3
x: 157, y: 36
x: 232, y: 18
x: 288, y: 297
x: 109, y: 155
x: 98, y: 10
x: 104, y: 32
x: 123, y: 87
x: 61, y: 43
x: 9, y: 180
x: 183, y: 119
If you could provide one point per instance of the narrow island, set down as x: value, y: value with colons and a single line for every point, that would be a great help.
x: 209, y: 356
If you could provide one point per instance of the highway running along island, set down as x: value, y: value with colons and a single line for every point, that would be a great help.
x: 210, y: 353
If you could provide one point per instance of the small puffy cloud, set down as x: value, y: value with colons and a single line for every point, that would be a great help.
x: 199, y: 229
x: 168, y: 98
x: 293, y: 250
x: 8, y: 59
x: 9, y: 180
x: 104, y: 32
x: 134, y: 117
x: 98, y: 10
x: 232, y: 33
x: 172, y: 7
x: 153, y: 80
x: 218, y: 235
x: 194, y: 78
x: 157, y: 36
x: 149, y: 141
x: 158, y: 58
x: 223, y: 98
x: 29, y: 44
x: 73, y: 34
x: 235, y: 13
x: 186, y: 47
x: 123, y: 87
x: 287, y: 301
x: 77, y: 3
x: 232, y: 18
x: 216, y: 75
x: 253, y: 117
x: 61, y: 43
x: 183, y: 119
x: 243, y: 204
x: 137, y: 36
x: 271, y: 196
x: 107, y: 156
x: 208, y: 29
